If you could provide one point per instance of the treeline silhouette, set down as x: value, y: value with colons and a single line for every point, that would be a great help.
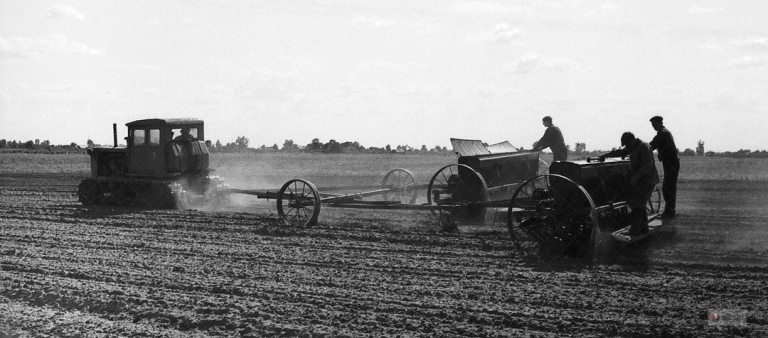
x: 241, y: 144
x: 37, y: 146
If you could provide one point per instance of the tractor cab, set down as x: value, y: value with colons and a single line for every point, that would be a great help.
x: 166, y: 147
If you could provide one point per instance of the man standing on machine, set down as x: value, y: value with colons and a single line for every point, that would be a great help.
x: 668, y: 155
x: 552, y: 139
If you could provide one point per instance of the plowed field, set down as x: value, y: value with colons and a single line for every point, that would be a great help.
x: 71, y: 271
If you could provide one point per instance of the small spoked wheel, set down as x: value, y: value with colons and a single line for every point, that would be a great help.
x: 402, y: 186
x: 298, y: 203
x: 551, y: 214
x: 462, y: 189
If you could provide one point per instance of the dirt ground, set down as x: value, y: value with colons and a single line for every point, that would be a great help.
x: 71, y: 271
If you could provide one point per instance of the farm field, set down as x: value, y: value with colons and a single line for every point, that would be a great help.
x: 236, y: 270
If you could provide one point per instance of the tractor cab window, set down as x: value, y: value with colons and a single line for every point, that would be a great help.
x: 179, y: 134
x: 154, y: 137
x: 139, y: 137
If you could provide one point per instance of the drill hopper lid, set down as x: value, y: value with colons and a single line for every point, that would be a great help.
x: 476, y: 147
x: 502, y: 147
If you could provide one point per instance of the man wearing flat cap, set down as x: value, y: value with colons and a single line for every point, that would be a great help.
x: 664, y: 143
x: 643, y: 178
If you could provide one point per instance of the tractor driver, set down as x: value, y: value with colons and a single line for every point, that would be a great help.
x: 185, y: 135
x: 643, y: 178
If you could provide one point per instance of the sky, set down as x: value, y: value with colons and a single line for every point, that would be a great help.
x: 385, y: 72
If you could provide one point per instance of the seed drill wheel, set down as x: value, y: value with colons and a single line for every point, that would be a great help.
x: 298, y: 203
x: 551, y: 214
x: 462, y: 187
x: 654, y: 202
x: 403, y: 185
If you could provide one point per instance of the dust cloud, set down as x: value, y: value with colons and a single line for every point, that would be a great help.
x: 233, y: 183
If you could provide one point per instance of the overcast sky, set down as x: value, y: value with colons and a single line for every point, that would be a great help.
x: 388, y: 72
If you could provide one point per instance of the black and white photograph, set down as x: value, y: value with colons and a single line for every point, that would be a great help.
x: 383, y: 168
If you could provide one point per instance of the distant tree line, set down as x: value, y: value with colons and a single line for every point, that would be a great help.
x: 330, y: 147
x: 580, y: 152
x: 241, y: 144
x: 740, y: 153
x: 38, y: 146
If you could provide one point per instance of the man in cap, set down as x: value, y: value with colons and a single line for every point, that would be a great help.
x: 552, y: 139
x: 185, y: 135
x: 664, y: 143
x: 643, y: 178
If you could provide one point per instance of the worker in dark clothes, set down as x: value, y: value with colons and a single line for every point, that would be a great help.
x: 552, y: 139
x: 185, y: 135
x: 643, y: 178
x: 664, y: 143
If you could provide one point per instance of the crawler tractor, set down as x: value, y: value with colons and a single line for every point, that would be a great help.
x: 164, y: 164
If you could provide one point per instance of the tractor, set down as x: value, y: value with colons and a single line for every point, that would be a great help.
x: 164, y: 165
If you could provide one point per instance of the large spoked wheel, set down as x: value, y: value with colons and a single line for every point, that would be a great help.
x: 298, y: 203
x: 551, y: 214
x: 462, y: 190
x: 402, y: 186
x: 654, y: 202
